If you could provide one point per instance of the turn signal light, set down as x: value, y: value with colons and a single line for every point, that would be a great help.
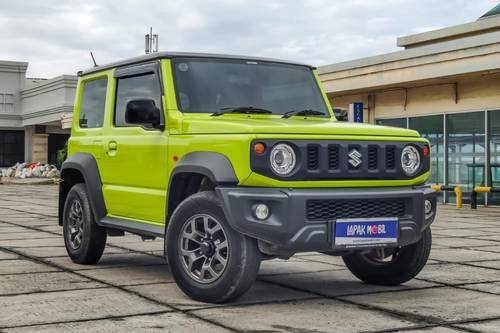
x: 259, y: 148
x: 426, y: 150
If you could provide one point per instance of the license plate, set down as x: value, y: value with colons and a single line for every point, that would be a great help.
x: 366, y: 232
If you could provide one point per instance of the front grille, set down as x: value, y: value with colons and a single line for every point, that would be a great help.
x: 372, y: 157
x: 326, y: 209
x: 323, y: 160
x: 333, y: 157
x: 312, y: 157
x: 390, y: 157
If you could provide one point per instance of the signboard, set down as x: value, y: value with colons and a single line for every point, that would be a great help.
x: 358, y: 112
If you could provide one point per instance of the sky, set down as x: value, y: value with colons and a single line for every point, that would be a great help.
x: 55, y: 37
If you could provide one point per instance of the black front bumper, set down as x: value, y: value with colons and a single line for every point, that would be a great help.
x: 292, y: 227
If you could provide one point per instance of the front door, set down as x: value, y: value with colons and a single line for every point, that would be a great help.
x: 135, y: 160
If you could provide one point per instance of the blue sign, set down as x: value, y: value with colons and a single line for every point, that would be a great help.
x: 358, y: 112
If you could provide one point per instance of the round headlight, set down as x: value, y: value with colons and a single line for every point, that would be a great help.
x: 282, y: 159
x: 410, y: 160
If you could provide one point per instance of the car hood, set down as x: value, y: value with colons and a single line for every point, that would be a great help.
x: 236, y: 124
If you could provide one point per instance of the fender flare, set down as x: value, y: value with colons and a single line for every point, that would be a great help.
x: 86, y: 164
x: 215, y: 166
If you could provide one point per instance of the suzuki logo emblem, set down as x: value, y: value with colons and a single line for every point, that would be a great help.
x: 355, y: 158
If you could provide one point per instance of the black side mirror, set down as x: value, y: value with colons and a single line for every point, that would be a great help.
x: 143, y: 112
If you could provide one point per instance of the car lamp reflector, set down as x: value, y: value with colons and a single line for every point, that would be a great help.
x: 259, y: 148
x: 428, y: 207
x: 410, y: 160
x: 261, y: 211
x: 282, y: 159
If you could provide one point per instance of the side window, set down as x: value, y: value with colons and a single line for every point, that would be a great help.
x: 93, y: 103
x: 135, y: 87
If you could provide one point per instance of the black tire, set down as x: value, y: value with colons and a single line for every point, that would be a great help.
x: 242, y: 254
x: 92, y: 237
x: 406, y: 263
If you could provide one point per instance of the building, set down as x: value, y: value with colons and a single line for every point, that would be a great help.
x: 445, y: 84
x: 30, y: 114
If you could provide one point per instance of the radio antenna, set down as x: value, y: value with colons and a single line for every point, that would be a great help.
x: 93, y: 59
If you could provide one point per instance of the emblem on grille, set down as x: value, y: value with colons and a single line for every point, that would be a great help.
x: 355, y: 158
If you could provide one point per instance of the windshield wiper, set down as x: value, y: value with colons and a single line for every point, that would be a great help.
x: 306, y: 112
x: 241, y: 109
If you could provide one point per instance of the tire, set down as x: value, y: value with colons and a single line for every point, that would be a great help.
x: 85, y: 245
x: 198, y: 227
x: 406, y: 262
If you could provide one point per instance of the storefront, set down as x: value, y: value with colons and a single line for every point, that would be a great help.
x: 444, y: 84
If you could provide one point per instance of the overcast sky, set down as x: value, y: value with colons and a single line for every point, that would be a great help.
x: 55, y: 37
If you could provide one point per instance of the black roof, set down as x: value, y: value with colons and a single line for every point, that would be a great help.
x: 162, y: 55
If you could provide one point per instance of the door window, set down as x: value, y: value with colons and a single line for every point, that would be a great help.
x: 136, y: 87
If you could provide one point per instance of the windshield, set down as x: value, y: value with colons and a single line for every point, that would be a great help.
x: 211, y: 85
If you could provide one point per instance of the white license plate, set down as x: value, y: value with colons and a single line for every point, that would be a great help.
x: 366, y: 232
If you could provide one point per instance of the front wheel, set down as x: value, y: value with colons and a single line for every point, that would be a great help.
x: 209, y: 260
x: 390, y: 266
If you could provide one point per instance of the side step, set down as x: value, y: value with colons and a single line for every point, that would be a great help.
x: 134, y: 227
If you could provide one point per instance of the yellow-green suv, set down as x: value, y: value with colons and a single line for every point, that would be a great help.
x: 234, y: 160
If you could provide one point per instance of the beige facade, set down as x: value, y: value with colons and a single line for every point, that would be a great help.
x: 445, y: 84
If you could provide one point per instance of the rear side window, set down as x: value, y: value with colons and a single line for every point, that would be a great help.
x: 93, y: 103
x: 145, y: 86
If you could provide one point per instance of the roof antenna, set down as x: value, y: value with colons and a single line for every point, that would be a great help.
x: 151, y: 42
x: 93, y: 59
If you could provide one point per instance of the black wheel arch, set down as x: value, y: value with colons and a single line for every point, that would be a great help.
x: 82, y: 168
x: 195, y: 172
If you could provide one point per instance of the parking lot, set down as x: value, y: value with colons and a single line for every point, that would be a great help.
x: 131, y: 289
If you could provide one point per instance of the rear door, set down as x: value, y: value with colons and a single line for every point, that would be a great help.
x: 134, y: 175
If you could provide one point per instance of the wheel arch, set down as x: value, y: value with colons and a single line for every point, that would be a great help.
x: 82, y: 168
x: 195, y: 172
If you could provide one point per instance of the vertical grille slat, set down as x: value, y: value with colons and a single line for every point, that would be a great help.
x: 372, y: 157
x: 333, y: 157
x: 312, y: 157
x: 390, y: 157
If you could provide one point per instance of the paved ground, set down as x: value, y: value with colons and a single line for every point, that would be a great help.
x: 132, y: 290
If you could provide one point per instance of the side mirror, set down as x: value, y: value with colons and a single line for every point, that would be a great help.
x: 143, y: 112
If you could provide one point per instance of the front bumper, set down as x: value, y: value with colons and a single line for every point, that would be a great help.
x: 291, y: 229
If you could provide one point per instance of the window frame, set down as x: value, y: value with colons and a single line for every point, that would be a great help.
x: 136, y: 71
x: 84, y: 84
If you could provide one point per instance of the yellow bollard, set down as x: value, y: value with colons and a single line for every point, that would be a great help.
x: 482, y: 189
x: 436, y: 187
x: 458, y: 194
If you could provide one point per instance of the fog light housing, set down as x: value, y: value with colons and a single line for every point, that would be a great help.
x: 428, y: 207
x: 262, y: 211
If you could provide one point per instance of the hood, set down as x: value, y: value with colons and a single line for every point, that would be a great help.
x: 243, y: 124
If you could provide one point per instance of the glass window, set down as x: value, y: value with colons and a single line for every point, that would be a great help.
x: 135, y: 87
x: 431, y: 128
x: 494, y: 131
x: 210, y: 85
x: 395, y: 122
x: 465, y: 138
x: 93, y: 103
x: 11, y: 148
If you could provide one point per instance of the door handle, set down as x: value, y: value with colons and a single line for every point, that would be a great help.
x: 112, y: 145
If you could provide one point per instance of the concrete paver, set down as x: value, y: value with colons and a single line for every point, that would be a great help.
x: 131, y: 289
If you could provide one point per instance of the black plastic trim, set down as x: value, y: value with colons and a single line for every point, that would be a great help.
x: 215, y: 166
x: 135, y: 227
x: 86, y: 164
x: 288, y: 230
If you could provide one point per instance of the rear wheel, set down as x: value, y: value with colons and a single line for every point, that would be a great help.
x: 209, y: 260
x: 390, y: 266
x: 83, y: 238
